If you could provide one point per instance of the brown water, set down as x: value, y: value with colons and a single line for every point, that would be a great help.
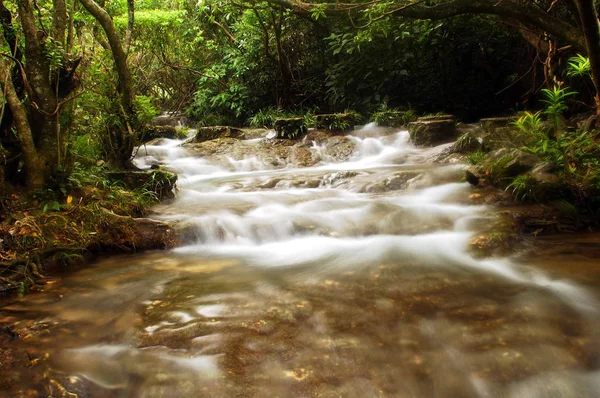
x: 328, y: 291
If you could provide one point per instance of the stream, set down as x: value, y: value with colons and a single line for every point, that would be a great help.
x: 310, y: 282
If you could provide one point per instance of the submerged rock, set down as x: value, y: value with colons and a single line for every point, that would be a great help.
x: 395, y: 182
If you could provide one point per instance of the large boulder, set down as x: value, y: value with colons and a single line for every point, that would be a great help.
x: 501, y: 166
x: 511, y: 162
x: 468, y: 142
x: 208, y: 133
x: 544, y: 173
x: 431, y: 131
x: 492, y: 123
x: 150, y: 133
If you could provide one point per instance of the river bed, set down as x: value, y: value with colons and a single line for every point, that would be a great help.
x: 309, y: 282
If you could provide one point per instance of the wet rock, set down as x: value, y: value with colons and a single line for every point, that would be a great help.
x: 306, y: 184
x: 151, y: 234
x: 250, y: 134
x: 213, y: 132
x: 517, y: 161
x: 340, y: 148
x: 493, y: 123
x: 468, y: 142
x: 543, y: 173
x: 312, y: 184
x: 161, y: 182
x: 339, y: 178
x: 508, y: 163
x: 318, y: 136
x: 270, y: 184
x: 398, y: 181
x: 134, y: 234
x: 425, y: 132
x: 290, y: 128
x: 472, y: 175
x: 150, y: 133
x: 213, y: 147
x: 436, y: 118
x: 302, y: 156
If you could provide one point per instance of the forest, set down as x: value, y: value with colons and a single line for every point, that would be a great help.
x: 82, y: 79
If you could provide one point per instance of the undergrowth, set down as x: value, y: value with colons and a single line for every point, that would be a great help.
x: 60, y: 226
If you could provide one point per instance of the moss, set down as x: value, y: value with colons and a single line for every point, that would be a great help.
x: 290, y: 128
x: 89, y: 220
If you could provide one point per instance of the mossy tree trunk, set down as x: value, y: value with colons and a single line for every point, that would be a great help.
x: 32, y: 159
x: 122, y: 140
x: 28, y: 74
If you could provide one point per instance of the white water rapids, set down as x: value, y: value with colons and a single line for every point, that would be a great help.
x: 343, y: 279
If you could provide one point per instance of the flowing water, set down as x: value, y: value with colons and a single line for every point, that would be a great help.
x: 345, y: 279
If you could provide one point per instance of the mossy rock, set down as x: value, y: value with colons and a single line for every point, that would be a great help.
x: 290, y: 128
x: 468, y: 142
x: 335, y: 121
x: 150, y: 133
x: 432, y: 118
x: 492, y: 123
x: 213, y: 132
x: 432, y: 132
x: 160, y: 182
x: 389, y: 118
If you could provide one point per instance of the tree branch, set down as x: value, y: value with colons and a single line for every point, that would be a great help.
x: 527, y: 14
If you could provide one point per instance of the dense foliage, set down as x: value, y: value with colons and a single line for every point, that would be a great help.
x: 81, y: 79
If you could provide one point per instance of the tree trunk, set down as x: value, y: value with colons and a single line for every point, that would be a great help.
x: 44, y: 102
x: 118, y: 53
x: 121, y: 141
x: 591, y: 33
x: 59, y: 21
x: 130, y: 22
x: 69, y: 46
x: 33, y: 161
